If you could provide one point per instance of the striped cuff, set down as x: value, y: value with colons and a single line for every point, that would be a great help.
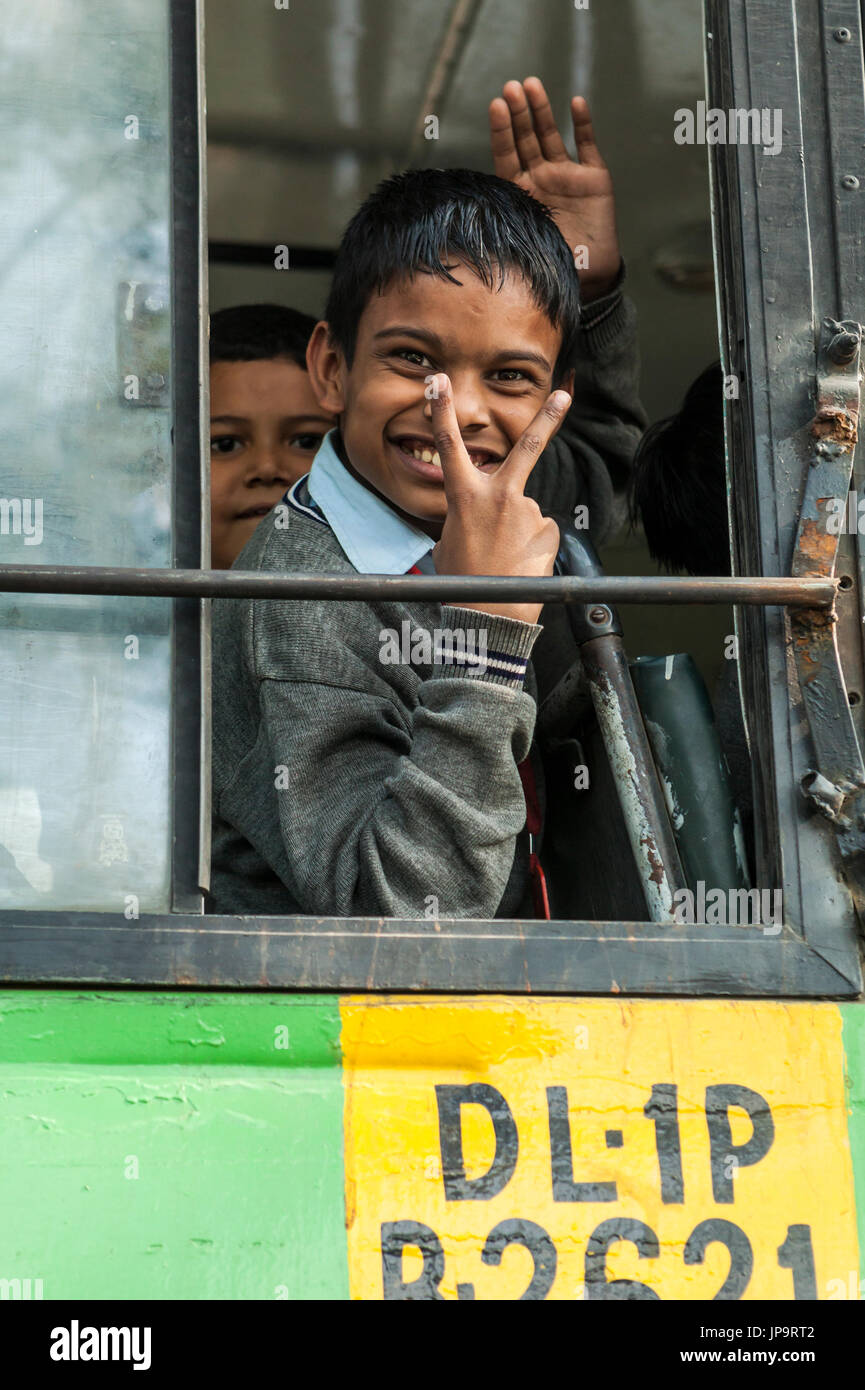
x: 477, y: 646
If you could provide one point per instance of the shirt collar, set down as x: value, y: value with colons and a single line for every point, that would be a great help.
x: 374, y: 538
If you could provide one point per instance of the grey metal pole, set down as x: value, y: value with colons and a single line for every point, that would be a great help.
x: 656, y: 854
x: 360, y: 588
x: 598, y: 634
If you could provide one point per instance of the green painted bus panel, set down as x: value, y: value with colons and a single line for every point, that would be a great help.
x: 853, y: 1019
x: 73, y: 1026
x: 159, y: 1146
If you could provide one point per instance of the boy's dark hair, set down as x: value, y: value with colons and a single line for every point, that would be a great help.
x: 420, y: 220
x: 679, y: 488
x: 257, y: 332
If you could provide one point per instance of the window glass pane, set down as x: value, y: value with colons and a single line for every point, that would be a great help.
x: 85, y: 450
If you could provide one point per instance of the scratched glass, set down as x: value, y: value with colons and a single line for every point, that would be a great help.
x: 85, y: 451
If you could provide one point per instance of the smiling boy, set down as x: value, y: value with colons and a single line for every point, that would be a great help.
x: 345, y: 784
x: 265, y: 422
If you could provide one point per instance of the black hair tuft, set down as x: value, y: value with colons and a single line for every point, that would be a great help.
x: 423, y: 220
x: 258, y: 332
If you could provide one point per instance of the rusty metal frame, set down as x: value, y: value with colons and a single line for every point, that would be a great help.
x: 789, y: 261
x: 836, y: 784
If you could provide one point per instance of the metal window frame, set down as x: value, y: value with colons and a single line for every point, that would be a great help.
x: 816, y: 952
x: 190, y: 751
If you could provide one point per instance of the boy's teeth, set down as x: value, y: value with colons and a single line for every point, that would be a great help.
x: 426, y: 455
x: 433, y: 456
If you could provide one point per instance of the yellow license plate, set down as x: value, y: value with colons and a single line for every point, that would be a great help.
x: 591, y: 1149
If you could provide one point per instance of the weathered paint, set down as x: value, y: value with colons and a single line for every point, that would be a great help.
x: 164, y: 1146
x: 233, y: 1111
x: 607, y: 1057
x: 636, y: 778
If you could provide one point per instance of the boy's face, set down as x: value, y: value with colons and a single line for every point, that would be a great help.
x: 499, y: 350
x: 265, y: 426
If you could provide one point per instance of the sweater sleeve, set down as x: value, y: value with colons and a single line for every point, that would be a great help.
x: 382, y: 806
x: 589, y: 461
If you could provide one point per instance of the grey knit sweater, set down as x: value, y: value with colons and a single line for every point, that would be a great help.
x: 348, y: 786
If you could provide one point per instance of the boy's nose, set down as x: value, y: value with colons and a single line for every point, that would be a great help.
x: 470, y: 403
x: 266, y: 466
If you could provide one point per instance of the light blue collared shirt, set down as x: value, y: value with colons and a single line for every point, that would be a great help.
x: 374, y: 538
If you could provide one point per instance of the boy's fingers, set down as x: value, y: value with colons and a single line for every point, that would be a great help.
x: 506, y: 161
x: 457, y: 467
x: 584, y: 135
x: 528, y: 148
x: 532, y: 442
x: 547, y: 131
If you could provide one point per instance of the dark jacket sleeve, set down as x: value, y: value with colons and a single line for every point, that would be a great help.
x: 589, y: 461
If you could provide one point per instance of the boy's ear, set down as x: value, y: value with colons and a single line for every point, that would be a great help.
x: 326, y: 366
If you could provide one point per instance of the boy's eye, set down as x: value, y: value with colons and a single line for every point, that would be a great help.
x: 308, y: 443
x: 224, y: 444
x: 513, y: 374
x: 413, y: 353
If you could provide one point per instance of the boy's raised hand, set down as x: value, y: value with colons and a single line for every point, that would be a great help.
x: 528, y: 149
x: 491, y: 527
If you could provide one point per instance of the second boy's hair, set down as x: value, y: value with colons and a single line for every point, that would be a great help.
x: 679, y: 487
x: 421, y: 220
x: 259, y: 332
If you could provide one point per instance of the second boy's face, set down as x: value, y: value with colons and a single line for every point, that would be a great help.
x: 496, y: 346
x: 265, y: 427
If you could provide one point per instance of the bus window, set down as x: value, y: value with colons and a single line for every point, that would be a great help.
x: 87, y: 473
x: 306, y: 115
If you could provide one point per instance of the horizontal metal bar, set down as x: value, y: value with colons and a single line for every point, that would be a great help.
x: 254, y: 253
x: 451, y: 588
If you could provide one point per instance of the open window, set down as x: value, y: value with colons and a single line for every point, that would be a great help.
x: 104, y: 808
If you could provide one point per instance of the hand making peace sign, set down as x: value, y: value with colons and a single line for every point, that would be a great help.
x: 491, y: 526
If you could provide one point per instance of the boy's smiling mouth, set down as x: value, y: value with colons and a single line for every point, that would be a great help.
x: 259, y: 511
x: 422, y: 453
